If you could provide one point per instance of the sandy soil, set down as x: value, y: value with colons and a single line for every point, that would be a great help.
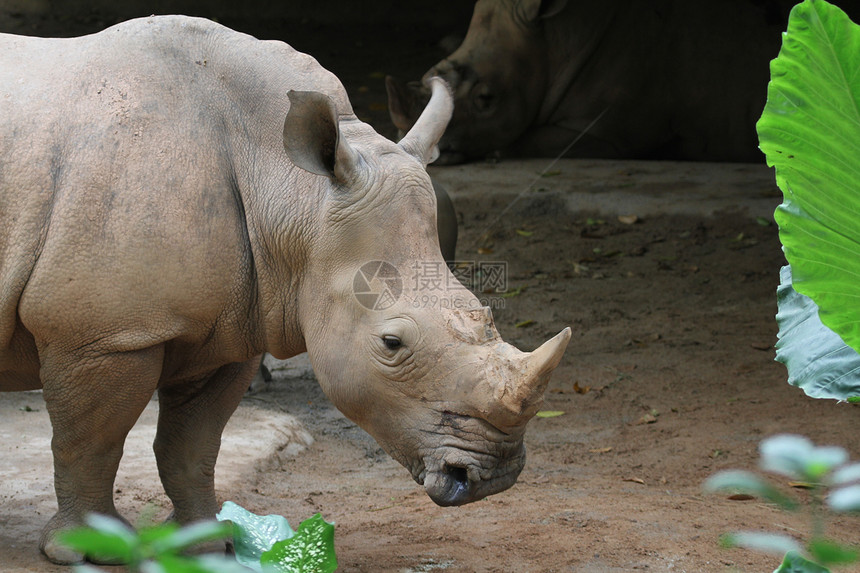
x: 669, y: 378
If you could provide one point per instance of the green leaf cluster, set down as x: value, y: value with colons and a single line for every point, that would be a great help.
x: 310, y: 550
x: 267, y: 544
x: 794, y: 562
x: 820, y: 468
x: 151, y: 549
x: 253, y: 534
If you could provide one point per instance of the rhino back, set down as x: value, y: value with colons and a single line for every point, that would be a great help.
x: 131, y: 162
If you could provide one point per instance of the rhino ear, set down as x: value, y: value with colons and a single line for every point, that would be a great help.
x: 312, y: 137
x: 532, y: 10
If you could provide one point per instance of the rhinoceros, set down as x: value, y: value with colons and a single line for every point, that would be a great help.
x: 177, y: 198
x: 669, y: 79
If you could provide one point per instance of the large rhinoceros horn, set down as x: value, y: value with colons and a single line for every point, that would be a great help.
x: 421, y: 140
x: 516, y: 381
x: 522, y: 394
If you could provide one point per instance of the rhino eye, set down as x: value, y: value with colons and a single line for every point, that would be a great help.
x: 391, y: 342
x: 484, y: 99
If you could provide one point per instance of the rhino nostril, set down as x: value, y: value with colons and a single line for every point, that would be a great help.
x: 459, y: 475
x: 458, y: 484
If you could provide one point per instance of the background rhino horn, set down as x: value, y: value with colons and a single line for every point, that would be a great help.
x: 421, y: 140
x: 399, y: 105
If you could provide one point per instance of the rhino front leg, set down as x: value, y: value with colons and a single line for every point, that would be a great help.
x: 190, y: 421
x: 93, y: 401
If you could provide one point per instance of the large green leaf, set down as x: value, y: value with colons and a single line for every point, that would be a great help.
x: 810, y: 132
x: 817, y: 359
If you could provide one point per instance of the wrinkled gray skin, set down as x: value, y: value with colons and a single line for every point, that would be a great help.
x: 176, y: 199
x: 676, y: 80
x: 446, y: 222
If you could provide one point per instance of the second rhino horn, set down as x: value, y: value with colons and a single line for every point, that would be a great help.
x: 421, y: 140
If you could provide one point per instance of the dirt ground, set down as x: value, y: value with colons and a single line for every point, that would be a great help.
x: 669, y: 378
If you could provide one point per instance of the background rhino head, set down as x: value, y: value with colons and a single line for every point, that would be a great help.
x: 498, y: 75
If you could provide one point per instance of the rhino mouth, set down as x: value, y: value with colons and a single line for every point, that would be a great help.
x: 449, y: 487
x: 448, y: 155
x: 457, y: 480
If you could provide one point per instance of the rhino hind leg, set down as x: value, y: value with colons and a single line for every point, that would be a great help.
x: 190, y: 421
x: 261, y: 378
x: 91, y: 415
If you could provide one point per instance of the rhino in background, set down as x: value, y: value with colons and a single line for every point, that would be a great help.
x: 177, y: 198
x: 665, y: 79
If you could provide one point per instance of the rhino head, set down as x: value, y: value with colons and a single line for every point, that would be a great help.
x: 499, y: 78
x: 413, y: 359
